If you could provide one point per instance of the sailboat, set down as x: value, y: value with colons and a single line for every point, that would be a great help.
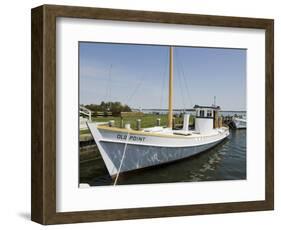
x: 124, y: 149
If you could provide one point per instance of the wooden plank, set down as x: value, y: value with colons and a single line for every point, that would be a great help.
x: 43, y: 158
x: 37, y: 189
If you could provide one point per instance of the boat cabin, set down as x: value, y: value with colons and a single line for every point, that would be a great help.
x: 206, y: 118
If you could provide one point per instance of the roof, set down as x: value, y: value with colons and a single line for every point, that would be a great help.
x: 216, y: 107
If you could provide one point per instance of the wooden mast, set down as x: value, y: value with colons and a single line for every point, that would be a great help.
x: 170, y: 113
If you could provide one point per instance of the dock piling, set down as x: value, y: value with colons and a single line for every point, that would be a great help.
x: 138, y: 124
x: 158, y: 122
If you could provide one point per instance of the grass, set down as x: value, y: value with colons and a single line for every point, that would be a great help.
x: 84, y: 131
x: 148, y: 120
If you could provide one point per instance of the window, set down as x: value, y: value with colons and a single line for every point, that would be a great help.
x: 209, y: 113
x: 202, y: 113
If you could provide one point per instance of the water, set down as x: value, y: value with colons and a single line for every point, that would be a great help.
x: 226, y: 161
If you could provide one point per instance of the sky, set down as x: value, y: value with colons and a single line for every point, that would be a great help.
x: 138, y: 75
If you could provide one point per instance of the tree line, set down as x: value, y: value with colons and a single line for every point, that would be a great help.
x: 113, y: 107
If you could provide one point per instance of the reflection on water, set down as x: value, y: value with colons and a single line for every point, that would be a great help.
x: 226, y: 161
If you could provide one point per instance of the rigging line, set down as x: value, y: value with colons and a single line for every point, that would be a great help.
x: 180, y: 82
x: 183, y: 94
x: 135, y: 89
x: 109, y: 93
x: 163, y: 81
x: 108, y: 88
x: 122, y: 159
x: 186, y: 83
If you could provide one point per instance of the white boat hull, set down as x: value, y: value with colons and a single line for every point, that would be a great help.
x: 145, y: 150
x: 240, y: 123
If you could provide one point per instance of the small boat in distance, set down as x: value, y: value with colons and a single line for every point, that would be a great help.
x: 124, y: 149
x: 239, y: 123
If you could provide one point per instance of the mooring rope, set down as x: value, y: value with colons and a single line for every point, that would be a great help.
x: 122, y: 159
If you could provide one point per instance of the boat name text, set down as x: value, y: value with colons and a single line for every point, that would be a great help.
x: 131, y: 138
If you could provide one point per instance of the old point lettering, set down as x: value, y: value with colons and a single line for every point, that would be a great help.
x: 131, y: 138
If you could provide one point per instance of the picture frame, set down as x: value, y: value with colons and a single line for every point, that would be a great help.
x: 44, y: 91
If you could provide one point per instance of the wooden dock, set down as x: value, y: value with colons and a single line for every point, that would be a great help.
x: 228, y: 121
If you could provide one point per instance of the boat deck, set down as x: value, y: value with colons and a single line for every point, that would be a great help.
x: 162, y: 131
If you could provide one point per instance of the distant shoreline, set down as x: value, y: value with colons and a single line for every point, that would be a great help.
x: 164, y: 110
